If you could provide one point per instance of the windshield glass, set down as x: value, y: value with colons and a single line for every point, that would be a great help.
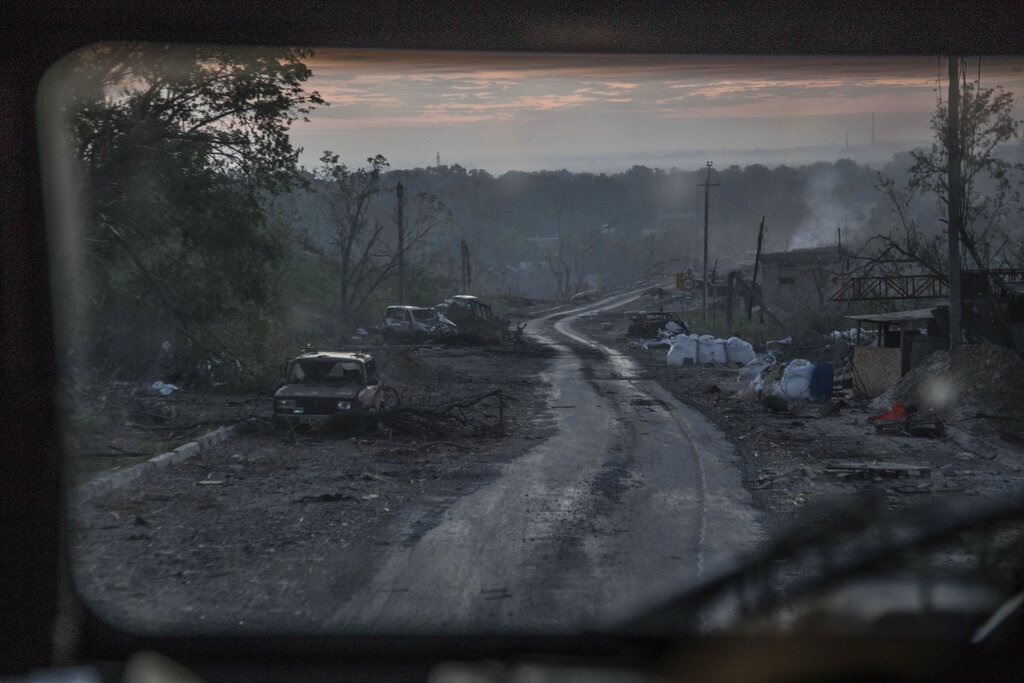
x: 718, y: 300
x: 425, y: 315
x: 326, y: 371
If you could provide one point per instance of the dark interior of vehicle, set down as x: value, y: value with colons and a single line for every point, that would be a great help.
x: 46, y: 627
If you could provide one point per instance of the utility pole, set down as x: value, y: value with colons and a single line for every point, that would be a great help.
x: 757, y: 263
x: 400, y: 192
x: 955, y: 182
x: 467, y: 274
x: 707, y: 185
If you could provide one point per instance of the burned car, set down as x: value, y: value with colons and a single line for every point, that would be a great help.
x: 319, y: 384
x: 415, y: 323
x: 474, y: 317
x: 647, y: 324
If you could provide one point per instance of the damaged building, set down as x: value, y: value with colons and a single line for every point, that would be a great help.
x: 799, y: 283
x: 992, y: 312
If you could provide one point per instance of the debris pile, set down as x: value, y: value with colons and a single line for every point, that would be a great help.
x: 429, y: 391
x: 654, y: 326
x: 977, y: 382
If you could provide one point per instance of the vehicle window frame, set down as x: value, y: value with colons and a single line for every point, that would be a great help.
x: 31, y: 443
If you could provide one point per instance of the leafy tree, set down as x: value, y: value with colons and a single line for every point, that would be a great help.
x: 179, y: 149
x: 990, y: 196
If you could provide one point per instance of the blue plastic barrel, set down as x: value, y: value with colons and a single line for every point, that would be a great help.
x: 821, y: 380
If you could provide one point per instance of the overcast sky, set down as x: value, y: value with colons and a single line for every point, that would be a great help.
x: 600, y: 113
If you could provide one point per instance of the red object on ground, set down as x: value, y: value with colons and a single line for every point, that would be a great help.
x: 896, y: 413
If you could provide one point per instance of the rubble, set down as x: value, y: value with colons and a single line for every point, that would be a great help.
x: 977, y: 385
x: 829, y: 449
x: 654, y: 325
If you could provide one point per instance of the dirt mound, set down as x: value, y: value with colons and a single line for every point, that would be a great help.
x: 972, y: 381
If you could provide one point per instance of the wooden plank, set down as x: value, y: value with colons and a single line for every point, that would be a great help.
x: 876, y: 368
x: 888, y: 469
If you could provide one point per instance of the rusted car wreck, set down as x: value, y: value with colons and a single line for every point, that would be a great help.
x: 321, y: 384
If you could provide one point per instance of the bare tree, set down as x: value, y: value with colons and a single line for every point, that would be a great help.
x: 368, y: 253
x: 990, y: 196
x: 561, y: 264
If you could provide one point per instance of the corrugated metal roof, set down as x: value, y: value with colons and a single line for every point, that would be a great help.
x: 894, y: 316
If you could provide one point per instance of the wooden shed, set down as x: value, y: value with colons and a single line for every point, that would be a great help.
x: 901, y: 342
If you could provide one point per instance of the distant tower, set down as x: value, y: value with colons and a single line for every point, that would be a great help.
x: 872, y: 129
x: 439, y: 160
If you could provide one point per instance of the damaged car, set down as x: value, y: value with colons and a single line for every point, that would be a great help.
x: 415, y: 323
x: 647, y: 324
x: 319, y: 384
x: 474, y: 317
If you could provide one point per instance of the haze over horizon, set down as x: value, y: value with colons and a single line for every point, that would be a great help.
x: 605, y: 113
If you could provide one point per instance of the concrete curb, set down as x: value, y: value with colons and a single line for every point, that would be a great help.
x: 108, y: 482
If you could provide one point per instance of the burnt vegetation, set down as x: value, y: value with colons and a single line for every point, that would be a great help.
x: 474, y: 415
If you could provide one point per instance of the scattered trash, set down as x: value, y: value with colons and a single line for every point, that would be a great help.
x: 651, y: 343
x: 674, y: 328
x: 911, y: 427
x: 890, y: 470
x: 976, y: 382
x: 652, y: 325
x: 798, y: 379
x: 750, y: 373
x: 794, y: 382
x: 900, y: 419
x: 163, y: 388
x: 896, y: 412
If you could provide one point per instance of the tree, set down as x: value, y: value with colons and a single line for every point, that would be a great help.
x: 989, y: 196
x: 180, y: 148
x: 561, y: 263
x: 368, y: 253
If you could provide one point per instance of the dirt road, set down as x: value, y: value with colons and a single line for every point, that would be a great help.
x: 596, y: 502
x: 602, y: 490
x: 633, y: 497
